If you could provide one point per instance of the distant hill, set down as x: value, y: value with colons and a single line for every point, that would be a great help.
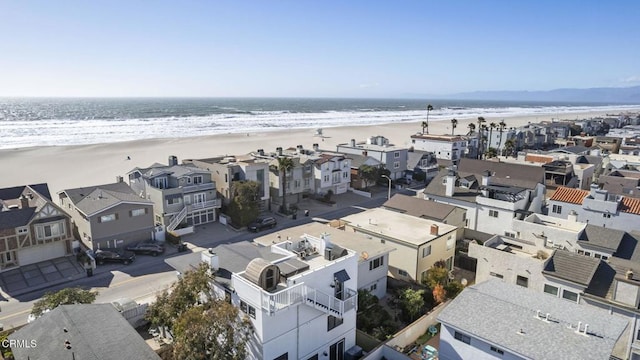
x: 626, y: 95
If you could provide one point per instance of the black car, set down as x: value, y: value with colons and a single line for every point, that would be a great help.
x: 114, y: 255
x: 263, y: 223
x: 146, y: 248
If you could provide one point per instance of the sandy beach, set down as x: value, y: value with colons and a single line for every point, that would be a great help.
x: 64, y: 167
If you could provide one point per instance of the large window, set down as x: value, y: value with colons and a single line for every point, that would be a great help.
x: 570, y: 295
x: 493, y: 213
x: 522, y: 281
x: 160, y: 183
x: 550, y: 289
x: 333, y: 322
x: 451, y: 242
x: 336, y: 351
x: 107, y: 218
x: 197, y: 179
x: 462, y: 337
x: 248, y: 309
x: 557, y: 209
x: 49, y: 230
x: 376, y: 263
x: 138, y: 212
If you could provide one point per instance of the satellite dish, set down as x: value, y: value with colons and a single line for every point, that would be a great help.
x: 365, y: 255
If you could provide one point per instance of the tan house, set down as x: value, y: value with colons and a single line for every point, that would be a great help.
x: 32, y: 227
x: 419, y: 243
x: 108, y: 216
x: 431, y: 210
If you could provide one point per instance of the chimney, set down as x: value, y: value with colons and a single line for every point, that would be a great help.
x: 279, y: 151
x: 593, y: 189
x: 353, y: 142
x: 629, y: 274
x: 573, y: 216
x: 173, y: 160
x: 24, y: 202
x: 211, y: 258
x: 450, y: 182
x: 486, y: 178
x: 434, y: 230
x: 316, y: 147
x: 119, y: 179
x: 261, y: 152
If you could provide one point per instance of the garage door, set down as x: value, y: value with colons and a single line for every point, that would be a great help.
x: 41, y: 253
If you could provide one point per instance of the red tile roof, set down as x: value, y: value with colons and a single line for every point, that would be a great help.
x: 569, y: 195
x: 630, y: 205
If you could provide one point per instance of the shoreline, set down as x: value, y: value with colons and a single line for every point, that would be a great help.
x: 70, y: 166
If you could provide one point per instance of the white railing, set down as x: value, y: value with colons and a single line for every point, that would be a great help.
x: 198, y: 187
x: 177, y: 219
x: 282, y: 299
x: 205, y: 204
x: 330, y: 304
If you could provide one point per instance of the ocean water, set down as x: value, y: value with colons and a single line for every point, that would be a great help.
x: 26, y: 122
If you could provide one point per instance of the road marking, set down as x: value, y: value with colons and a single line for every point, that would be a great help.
x: 15, y: 314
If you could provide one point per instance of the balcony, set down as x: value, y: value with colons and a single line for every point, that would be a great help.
x: 198, y: 187
x: 332, y: 305
x: 217, y: 203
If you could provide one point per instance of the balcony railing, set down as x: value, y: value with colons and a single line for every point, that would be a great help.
x: 330, y: 304
x: 205, y: 205
x: 198, y: 187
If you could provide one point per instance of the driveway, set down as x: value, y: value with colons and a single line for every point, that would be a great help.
x: 39, y: 275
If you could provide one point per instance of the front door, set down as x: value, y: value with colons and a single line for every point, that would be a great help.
x: 336, y: 351
x: 199, y: 198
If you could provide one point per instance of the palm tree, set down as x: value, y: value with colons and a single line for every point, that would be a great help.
x: 491, y: 127
x: 425, y: 125
x: 502, y: 125
x: 509, y: 145
x: 429, y: 108
x: 491, y: 152
x: 285, y: 164
x: 483, y: 138
x: 454, y: 124
x: 472, y: 128
x: 481, y: 120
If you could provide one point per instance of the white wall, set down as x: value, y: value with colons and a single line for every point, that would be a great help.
x: 452, y: 349
x: 378, y: 276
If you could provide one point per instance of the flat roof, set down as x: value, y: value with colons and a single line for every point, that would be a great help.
x: 394, y: 225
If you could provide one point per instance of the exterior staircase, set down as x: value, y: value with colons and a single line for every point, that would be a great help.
x: 177, y: 219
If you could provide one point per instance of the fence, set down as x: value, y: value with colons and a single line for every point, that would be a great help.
x: 411, y: 333
x: 361, y: 193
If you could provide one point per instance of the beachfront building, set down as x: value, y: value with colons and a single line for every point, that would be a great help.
x: 332, y: 173
x: 357, y: 161
x: 181, y: 194
x: 373, y: 256
x: 225, y: 170
x: 421, y: 162
x: 109, y: 215
x: 596, y: 207
x: 518, y: 323
x: 448, y: 147
x: 492, y: 192
x: 393, y: 157
x: 419, y: 243
x: 300, y: 294
x: 32, y: 227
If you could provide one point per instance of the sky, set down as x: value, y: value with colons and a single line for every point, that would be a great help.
x: 324, y: 48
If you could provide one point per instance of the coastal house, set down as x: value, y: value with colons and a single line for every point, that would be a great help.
x: 421, y: 162
x: 393, y: 157
x: 357, y: 161
x: 181, y: 194
x: 300, y: 294
x: 621, y: 182
x: 332, y: 173
x: 32, y: 227
x: 419, y: 243
x: 431, y: 210
x: 518, y: 323
x: 448, y: 147
x: 492, y: 192
x: 225, y: 170
x: 596, y: 207
x: 82, y: 331
x: 109, y: 215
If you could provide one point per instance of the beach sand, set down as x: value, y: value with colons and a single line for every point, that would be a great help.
x: 65, y: 167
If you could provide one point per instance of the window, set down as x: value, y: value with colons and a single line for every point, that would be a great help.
x: 396, y: 154
x: 496, y: 350
x: 138, y: 212
x: 557, y: 209
x: 107, y: 218
x: 333, y: 322
x: 402, y: 272
x: 376, y: 263
x: 499, y: 276
x: 49, y: 231
x: 462, y: 337
x: 23, y: 230
x: 336, y: 351
x: 493, y: 213
x: 522, y: 281
x: 396, y: 164
x: 509, y: 234
x: 197, y: 179
x: 550, y: 289
x: 373, y: 287
x: 306, y: 183
x: 326, y: 178
x: 160, y: 183
x: 570, y: 295
x: 451, y: 242
x: 345, y: 174
x: 172, y: 200
x: 426, y: 251
x: 284, y: 356
x: 607, y: 216
x: 248, y: 309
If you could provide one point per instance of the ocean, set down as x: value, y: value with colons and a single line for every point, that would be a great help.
x: 26, y: 122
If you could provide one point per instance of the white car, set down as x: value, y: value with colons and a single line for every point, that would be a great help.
x: 31, y: 318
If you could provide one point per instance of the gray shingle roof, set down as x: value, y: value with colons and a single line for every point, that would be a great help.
x: 93, y: 199
x: 16, y: 191
x: 496, y: 312
x: 572, y: 267
x: 526, y: 176
x: 96, y: 332
x: 601, y: 237
x: 419, y: 207
x: 15, y: 218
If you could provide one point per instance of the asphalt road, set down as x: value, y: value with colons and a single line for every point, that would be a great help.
x: 148, y: 275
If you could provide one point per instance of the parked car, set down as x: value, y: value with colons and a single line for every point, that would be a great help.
x: 114, y: 255
x: 263, y: 223
x: 146, y: 248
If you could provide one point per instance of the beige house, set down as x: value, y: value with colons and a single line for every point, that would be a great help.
x: 32, y: 227
x: 108, y: 216
x: 431, y: 210
x: 419, y: 243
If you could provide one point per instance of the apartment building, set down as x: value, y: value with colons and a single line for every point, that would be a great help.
x: 393, y: 157
x: 448, y: 147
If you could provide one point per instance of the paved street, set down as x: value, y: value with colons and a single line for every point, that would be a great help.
x: 148, y: 275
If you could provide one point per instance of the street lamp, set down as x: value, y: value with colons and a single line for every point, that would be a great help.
x: 389, y: 193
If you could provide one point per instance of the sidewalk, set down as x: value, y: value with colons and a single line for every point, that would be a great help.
x: 38, y: 276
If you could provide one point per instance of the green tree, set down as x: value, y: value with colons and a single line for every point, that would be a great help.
x: 454, y: 125
x: 472, y: 128
x: 191, y: 289
x: 425, y: 125
x: 244, y: 206
x: 412, y: 302
x: 453, y: 288
x: 212, y: 331
x: 502, y: 126
x: 285, y: 165
x: 369, y: 174
x: 66, y: 296
x: 437, y: 275
x: 491, y: 153
x: 481, y: 122
x: 509, y: 146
